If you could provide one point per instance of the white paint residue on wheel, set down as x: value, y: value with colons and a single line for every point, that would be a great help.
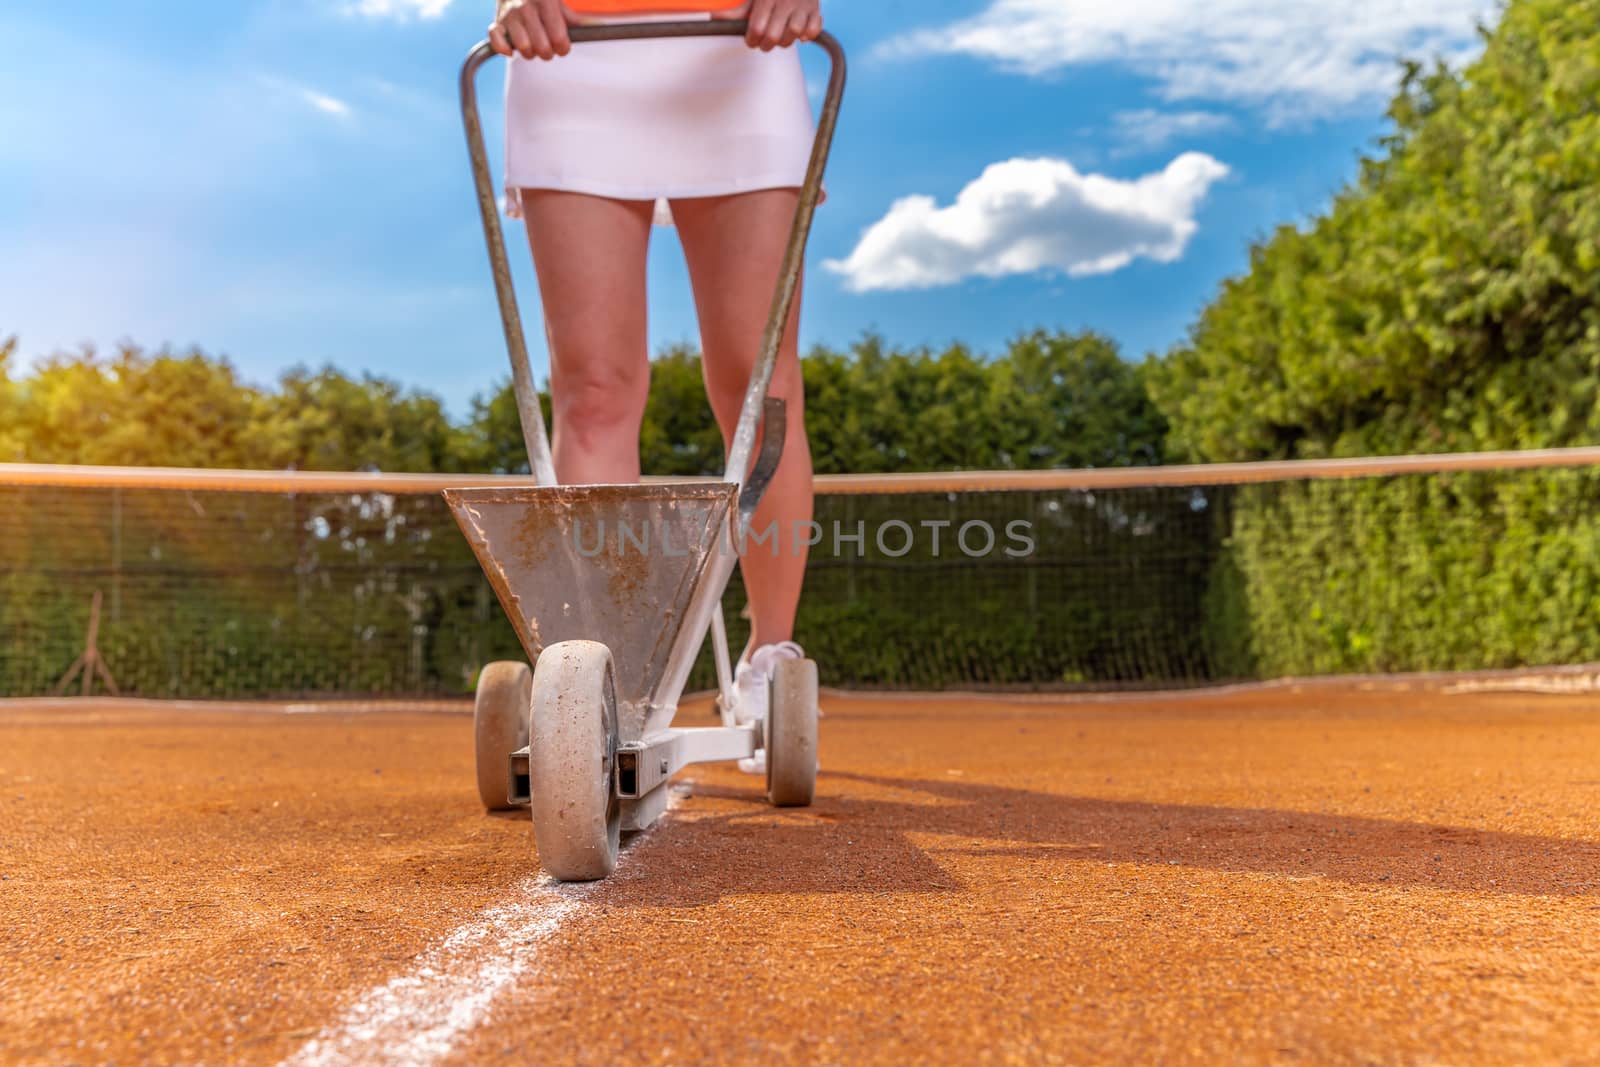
x: 415, y: 1019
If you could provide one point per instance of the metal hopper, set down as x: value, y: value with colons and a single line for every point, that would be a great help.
x: 617, y: 564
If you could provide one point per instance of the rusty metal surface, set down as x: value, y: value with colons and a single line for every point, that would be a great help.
x: 529, y: 413
x: 616, y: 564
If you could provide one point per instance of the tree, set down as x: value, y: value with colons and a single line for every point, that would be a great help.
x: 1070, y: 400
x: 10, y: 406
x: 136, y: 410
x: 1449, y: 300
x: 328, y: 421
x: 491, y: 440
x: 1050, y: 400
x: 680, y: 435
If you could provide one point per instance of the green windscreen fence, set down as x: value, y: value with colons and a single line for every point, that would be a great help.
x: 1139, y: 579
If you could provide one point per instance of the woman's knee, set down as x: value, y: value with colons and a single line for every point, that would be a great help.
x: 727, y: 380
x: 599, y: 403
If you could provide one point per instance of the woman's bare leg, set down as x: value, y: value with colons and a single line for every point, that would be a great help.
x: 734, y: 246
x: 591, y: 256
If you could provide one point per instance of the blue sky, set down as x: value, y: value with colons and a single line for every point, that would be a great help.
x: 284, y: 181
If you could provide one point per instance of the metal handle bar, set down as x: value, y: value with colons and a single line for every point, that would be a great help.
x: 742, y: 448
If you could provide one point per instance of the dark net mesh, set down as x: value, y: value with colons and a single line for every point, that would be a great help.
x: 230, y: 594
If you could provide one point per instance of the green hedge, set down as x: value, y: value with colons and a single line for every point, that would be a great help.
x: 1418, y: 573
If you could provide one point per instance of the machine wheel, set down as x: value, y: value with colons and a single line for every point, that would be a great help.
x: 792, y: 734
x: 572, y: 745
x: 500, y: 727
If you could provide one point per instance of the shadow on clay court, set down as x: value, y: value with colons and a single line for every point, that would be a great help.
x: 854, y: 844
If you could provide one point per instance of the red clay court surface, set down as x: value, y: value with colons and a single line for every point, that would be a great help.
x: 1334, y: 873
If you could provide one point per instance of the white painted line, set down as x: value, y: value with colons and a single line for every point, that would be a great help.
x: 415, y: 1019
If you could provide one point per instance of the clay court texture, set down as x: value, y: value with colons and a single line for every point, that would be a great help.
x: 1384, y: 871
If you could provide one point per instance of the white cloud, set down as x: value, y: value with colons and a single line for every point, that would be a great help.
x: 328, y: 105
x: 400, y: 9
x: 1029, y: 215
x: 1147, y: 130
x: 314, y: 99
x: 1290, y: 57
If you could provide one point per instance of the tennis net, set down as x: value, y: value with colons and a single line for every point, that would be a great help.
x: 221, y: 584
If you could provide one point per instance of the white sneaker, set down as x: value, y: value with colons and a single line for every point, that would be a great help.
x: 752, y: 689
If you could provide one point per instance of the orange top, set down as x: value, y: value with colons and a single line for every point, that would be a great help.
x: 651, y: 7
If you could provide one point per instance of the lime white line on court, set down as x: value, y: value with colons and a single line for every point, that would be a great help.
x: 415, y: 1019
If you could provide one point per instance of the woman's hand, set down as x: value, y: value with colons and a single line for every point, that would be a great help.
x: 532, y: 28
x: 780, y: 23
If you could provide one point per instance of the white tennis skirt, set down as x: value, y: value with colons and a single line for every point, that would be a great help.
x: 657, y: 120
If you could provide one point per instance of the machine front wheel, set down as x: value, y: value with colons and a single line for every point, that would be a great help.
x: 572, y: 747
x: 792, y: 734
x: 499, y: 728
